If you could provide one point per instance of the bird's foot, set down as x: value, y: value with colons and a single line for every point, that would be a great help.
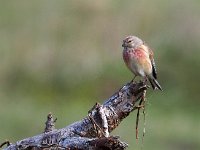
x: 145, y: 79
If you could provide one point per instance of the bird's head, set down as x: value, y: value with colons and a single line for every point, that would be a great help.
x: 132, y: 42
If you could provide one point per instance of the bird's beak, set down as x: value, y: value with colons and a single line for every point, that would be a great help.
x: 123, y: 45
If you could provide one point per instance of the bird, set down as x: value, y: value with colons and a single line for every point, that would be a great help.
x: 139, y: 59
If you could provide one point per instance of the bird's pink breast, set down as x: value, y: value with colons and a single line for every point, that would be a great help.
x: 137, y: 60
x: 138, y: 54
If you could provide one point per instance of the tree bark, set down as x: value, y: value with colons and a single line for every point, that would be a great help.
x: 92, y: 132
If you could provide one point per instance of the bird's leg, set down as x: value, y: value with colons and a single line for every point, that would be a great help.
x: 133, y: 78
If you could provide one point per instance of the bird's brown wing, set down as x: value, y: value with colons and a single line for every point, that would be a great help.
x: 154, y: 72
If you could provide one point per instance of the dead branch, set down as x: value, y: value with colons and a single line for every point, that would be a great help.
x: 92, y: 132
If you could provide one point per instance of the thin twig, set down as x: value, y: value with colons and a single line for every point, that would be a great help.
x: 5, y: 143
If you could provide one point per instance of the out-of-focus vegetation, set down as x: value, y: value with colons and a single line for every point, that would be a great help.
x: 63, y: 56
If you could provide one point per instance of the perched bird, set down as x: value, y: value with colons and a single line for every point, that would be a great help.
x: 139, y: 59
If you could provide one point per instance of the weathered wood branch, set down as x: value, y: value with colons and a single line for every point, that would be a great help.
x: 92, y: 132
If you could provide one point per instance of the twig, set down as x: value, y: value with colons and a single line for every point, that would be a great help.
x: 141, y: 105
x: 5, y: 143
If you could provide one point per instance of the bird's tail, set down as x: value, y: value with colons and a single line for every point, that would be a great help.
x: 154, y: 83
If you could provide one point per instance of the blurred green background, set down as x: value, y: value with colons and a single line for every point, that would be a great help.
x: 63, y: 56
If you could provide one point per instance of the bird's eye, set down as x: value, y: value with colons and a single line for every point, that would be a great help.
x: 129, y: 41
